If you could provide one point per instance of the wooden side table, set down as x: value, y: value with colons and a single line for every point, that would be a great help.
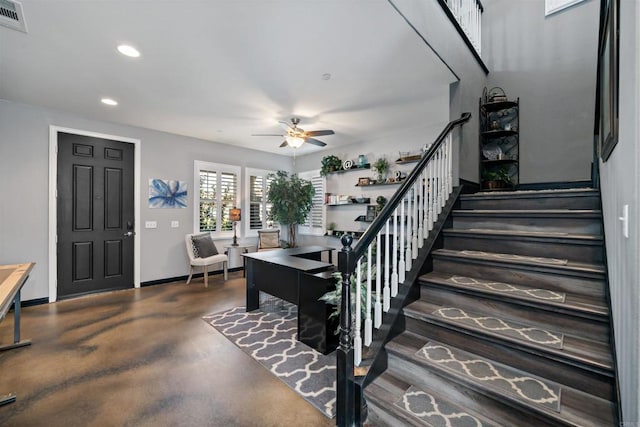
x: 237, y: 251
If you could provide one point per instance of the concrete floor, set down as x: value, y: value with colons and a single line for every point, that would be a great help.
x: 142, y: 357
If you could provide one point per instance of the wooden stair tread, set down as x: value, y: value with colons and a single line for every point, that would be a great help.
x: 559, y: 403
x: 572, y: 303
x: 546, y: 213
x: 570, y: 267
x: 389, y: 392
x: 560, y: 346
x: 526, y: 235
x: 567, y: 192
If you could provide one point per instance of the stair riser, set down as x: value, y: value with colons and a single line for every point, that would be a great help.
x: 379, y: 417
x: 591, y: 253
x: 580, y: 202
x: 555, y: 322
x: 571, y: 224
x: 510, y: 415
x: 503, y: 352
x: 503, y: 272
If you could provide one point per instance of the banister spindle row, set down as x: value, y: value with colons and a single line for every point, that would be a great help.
x: 384, y: 254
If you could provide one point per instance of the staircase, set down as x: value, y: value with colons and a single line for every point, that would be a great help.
x: 512, y: 325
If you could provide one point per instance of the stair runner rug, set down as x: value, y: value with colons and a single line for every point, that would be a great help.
x: 503, y: 327
x: 436, y: 412
x: 509, y: 289
x: 493, y: 375
x: 514, y: 257
x: 269, y: 336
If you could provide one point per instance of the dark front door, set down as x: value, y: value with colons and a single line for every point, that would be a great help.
x: 95, y: 215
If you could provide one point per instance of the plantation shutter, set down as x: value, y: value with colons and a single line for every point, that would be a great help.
x: 315, y: 220
x: 218, y: 193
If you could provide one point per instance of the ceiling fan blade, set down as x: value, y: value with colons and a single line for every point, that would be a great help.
x: 284, y: 143
x: 266, y: 134
x: 285, y: 126
x: 320, y: 132
x: 315, y: 142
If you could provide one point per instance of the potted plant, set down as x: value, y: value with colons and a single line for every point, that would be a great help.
x: 330, y: 163
x: 381, y: 166
x: 381, y: 201
x: 291, y: 199
x: 332, y: 226
x: 496, y: 178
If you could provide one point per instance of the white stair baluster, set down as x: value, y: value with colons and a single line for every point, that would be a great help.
x: 377, y: 308
x: 408, y: 258
x: 419, y: 199
x: 357, y: 339
x: 450, y: 163
x: 394, y: 255
x: 430, y: 195
x: 386, y: 295
x: 401, y: 264
x: 367, y: 320
x: 414, y: 221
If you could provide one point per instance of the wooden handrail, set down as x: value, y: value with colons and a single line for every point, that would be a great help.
x: 349, y: 399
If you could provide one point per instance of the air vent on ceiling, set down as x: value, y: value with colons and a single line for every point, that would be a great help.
x: 11, y: 15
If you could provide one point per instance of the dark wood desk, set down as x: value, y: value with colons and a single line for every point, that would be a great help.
x: 296, y: 275
x: 12, y: 278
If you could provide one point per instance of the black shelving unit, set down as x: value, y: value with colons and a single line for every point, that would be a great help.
x: 499, y: 145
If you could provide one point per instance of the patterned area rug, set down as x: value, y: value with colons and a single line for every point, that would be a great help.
x: 269, y: 336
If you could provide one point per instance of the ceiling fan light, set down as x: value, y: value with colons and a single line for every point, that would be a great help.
x: 294, y: 141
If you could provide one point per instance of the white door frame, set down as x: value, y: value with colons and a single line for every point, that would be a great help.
x: 53, y: 204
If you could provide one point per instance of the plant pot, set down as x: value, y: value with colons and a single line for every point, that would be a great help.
x: 492, y: 185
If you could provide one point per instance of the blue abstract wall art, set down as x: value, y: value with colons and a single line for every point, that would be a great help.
x: 167, y: 194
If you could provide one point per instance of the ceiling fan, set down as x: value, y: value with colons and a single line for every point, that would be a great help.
x: 294, y: 136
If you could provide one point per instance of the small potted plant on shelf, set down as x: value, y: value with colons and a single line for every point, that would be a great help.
x: 330, y: 228
x: 381, y: 166
x: 496, y: 178
x: 330, y: 163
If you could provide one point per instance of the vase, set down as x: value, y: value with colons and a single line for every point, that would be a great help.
x: 362, y: 160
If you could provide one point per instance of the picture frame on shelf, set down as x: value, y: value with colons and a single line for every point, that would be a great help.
x: 371, y: 213
x: 364, y: 181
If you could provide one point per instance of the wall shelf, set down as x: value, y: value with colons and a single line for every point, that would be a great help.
x: 378, y: 185
x: 352, y: 169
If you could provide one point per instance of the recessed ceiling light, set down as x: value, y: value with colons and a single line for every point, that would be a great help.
x: 109, y: 101
x: 127, y: 50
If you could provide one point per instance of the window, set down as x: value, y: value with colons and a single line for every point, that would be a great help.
x: 315, y: 220
x: 256, y: 205
x: 218, y: 192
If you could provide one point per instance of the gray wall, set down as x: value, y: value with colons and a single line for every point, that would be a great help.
x: 620, y: 178
x: 548, y: 62
x: 431, y: 22
x: 389, y: 146
x: 24, y: 163
x: 551, y: 64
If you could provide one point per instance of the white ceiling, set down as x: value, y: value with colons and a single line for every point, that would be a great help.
x: 221, y: 70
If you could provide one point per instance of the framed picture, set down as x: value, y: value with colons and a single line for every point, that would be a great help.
x: 553, y: 6
x: 371, y: 213
x: 608, y: 80
x: 363, y: 181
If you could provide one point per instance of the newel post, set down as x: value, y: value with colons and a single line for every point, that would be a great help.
x: 345, y: 385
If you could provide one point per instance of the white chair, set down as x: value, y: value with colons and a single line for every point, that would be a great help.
x: 203, y: 242
x: 268, y: 240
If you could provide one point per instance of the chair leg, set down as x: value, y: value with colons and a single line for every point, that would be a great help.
x: 224, y: 267
x: 190, y: 274
x: 206, y: 276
